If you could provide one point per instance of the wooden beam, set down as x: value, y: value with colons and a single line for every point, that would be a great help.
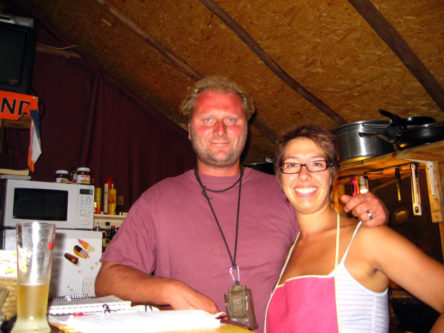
x: 43, y: 48
x: 180, y: 64
x: 177, y: 62
x: 399, y: 46
x: 269, y: 61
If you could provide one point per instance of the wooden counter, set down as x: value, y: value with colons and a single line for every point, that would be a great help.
x: 224, y: 328
x: 429, y: 157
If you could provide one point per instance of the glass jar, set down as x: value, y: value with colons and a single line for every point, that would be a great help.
x: 83, y: 175
x: 62, y: 176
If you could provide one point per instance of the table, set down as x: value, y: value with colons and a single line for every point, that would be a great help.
x: 224, y: 328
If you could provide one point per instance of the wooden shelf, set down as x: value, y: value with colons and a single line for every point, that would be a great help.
x: 23, y: 123
x: 384, y: 165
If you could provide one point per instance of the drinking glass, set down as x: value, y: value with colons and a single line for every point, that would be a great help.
x: 35, y: 243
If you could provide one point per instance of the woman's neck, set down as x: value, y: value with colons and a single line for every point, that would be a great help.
x: 318, y: 222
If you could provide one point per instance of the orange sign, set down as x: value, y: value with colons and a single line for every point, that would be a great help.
x: 13, y: 105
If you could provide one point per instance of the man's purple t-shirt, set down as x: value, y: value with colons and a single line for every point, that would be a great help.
x: 170, y: 230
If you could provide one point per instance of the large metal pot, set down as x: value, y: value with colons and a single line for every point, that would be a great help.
x: 361, y: 139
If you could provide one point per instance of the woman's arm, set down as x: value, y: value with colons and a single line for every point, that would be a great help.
x: 405, y: 264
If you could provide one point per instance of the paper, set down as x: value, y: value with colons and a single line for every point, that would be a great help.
x: 8, y: 264
x: 141, y: 322
x: 87, y: 305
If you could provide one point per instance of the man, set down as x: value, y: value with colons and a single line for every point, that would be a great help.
x: 191, y: 230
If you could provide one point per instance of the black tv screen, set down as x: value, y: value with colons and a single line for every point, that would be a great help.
x: 16, y: 56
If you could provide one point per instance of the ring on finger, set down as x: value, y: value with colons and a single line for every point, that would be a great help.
x: 369, y: 214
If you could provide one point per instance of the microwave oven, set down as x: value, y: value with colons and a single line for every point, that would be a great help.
x: 68, y: 206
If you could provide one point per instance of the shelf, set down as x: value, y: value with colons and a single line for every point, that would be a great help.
x: 384, y: 165
x: 22, y: 123
x: 115, y: 220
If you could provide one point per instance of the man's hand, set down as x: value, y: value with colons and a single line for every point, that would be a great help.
x: 366, y: 207
x: 184, y: 297
x: 131, y: 284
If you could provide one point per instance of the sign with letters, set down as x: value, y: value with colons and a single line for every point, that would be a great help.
x: 13, y: 106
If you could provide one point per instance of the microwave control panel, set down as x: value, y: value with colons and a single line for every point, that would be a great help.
x: 86, y: 206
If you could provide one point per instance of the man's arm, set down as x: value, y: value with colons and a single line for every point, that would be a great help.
x: 136, y: 286
x: 367, y: 208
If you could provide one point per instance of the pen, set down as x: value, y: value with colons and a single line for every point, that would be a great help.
x: 80, y: 314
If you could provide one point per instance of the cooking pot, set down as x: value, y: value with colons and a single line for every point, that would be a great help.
x: 421, y: 134
x: 361, y: 139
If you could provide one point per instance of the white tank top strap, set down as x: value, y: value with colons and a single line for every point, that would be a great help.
x: 349, y: 244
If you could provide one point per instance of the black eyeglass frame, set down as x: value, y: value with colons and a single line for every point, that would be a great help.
x: 328, y: 164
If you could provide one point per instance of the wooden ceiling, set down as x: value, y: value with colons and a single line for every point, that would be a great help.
x: 327, y: 62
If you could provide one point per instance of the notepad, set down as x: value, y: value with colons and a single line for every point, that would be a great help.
x: 63, y: 306
x: 138, y: 321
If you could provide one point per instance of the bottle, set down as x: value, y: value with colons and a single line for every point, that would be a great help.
x: 97, y: 200
x: 363, y: 184
x: 119, y: 204
x: 62, y: 176
x: 112, y: 194
x: 83, y: 175
x: 113, y: 232
x: 106, y: 234
x: 73, y: 176
x: 108, y: 184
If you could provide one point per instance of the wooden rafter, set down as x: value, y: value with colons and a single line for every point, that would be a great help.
x: 273, y: 65
x: 399, y: 46
x: 177, y: 62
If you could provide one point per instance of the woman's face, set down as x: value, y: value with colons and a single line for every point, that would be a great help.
x: 308, y: 192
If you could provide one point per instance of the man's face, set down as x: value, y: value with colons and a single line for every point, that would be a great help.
x: 218, y: 128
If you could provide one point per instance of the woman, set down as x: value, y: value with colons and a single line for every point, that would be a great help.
x: 336, y: 275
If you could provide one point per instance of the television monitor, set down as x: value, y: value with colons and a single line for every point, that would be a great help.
x: 18, y: 42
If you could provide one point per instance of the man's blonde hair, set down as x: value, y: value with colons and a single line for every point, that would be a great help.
x: 219, y: 84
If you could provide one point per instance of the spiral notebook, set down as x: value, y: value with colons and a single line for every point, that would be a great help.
x: 80, y: 305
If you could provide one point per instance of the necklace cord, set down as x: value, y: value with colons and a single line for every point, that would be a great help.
x: 204, y: 192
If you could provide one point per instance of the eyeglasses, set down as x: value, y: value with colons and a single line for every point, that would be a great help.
x: 312, y: 166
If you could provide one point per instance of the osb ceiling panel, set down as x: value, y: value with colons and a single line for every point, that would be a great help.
x: 326, y: 46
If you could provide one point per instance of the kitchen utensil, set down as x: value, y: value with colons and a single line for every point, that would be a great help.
x: 401, y: 214
x: 416, y: 196
x: 421, y: 134
x: 397, y: 125
x: 396, y: 120
x: 360, y: 140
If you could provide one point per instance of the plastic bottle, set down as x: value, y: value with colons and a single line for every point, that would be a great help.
x: 112, y: 194
x: 97, y: 200
x: 109, y: 183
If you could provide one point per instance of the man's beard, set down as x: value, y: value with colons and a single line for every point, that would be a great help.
x: 205, y: 155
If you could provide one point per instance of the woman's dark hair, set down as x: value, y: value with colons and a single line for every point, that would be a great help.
x: 322, y: 137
